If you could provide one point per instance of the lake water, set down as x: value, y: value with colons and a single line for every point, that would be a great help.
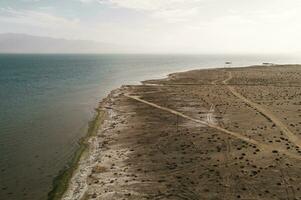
x: 46, y: 102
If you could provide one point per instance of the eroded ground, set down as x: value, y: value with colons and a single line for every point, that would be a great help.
x: 202, y: 134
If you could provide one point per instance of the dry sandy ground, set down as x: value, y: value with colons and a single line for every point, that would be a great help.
x: 203, y: 134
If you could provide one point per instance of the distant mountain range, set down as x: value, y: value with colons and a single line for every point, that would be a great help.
x: 22, y: 43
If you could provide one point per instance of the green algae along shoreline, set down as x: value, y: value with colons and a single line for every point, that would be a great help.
x: 189, y: 136
x: 60, y: 183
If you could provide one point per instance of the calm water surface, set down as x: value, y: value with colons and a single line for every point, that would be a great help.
x: 46, y: 102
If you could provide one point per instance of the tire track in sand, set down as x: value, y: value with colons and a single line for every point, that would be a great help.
x: 231, y: 133
x: 291, y: 136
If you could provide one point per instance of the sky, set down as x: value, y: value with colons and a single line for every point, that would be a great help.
x: 167, y: 26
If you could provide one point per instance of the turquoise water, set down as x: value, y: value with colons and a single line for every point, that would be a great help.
x: 46, y: 102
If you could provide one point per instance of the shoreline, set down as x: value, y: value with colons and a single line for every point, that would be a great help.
x: 62, y: 180
x: 114, y: 122
x: 82, y: 165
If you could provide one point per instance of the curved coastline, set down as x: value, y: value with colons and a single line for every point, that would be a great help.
x: 62, y: 181
x: 93, y: 164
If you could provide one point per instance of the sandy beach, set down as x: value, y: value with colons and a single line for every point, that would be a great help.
x: 232, y: 133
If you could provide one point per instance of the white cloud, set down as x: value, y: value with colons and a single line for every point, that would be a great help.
x: 41, y: 22
x: 31, y: 0
x: 87, y: 1
x: 35, y: 18
x: 176, y: 15
x: 170, y: 11
x: 194, y: 25
x: 153, y: 5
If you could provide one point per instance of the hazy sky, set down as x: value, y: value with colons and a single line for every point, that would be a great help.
x: 189, y: 26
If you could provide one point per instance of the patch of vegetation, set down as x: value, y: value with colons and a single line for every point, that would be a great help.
x: 61, y: 182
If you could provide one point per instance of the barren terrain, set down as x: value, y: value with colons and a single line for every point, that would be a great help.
x: 202, y: 134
